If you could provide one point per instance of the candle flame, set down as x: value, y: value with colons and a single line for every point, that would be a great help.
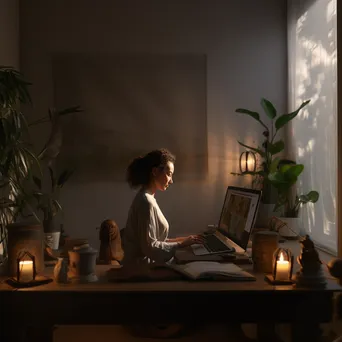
x: 281, y: 257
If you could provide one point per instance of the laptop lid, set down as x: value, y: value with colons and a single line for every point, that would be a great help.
x: 239, y: 213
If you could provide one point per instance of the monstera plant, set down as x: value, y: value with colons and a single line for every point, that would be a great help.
x: 276, y: 173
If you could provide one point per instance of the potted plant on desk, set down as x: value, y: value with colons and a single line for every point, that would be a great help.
x: 268, y: 155
x: 47, y: 196
x: 288, y: 204
x: 48, y: 204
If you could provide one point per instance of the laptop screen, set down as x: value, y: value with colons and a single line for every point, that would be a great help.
x: 239, y: 214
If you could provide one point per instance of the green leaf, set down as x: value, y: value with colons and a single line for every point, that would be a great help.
x: 257, y: 150
x: 274, y: 164
x: 293, y: 171
x: 254, y: 115
x: 38, y: 182
x: 56, y: 206
x: 276, y: 147
x: 70, y: 110
x: 277, y: 178
x: 65, y: 175
x: 285, y: 118
x: 268, y: 108
x: 311, y: 196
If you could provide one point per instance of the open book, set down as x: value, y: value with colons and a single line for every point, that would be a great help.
x: 213, y: 270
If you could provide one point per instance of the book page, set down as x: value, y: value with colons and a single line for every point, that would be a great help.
x: 201, y: 268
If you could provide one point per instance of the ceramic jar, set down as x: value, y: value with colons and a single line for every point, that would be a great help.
x: 264, y: 244
x: 82, y: 263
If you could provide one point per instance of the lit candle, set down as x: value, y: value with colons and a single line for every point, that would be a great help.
x: 282, y: 268
x: 26, y: 270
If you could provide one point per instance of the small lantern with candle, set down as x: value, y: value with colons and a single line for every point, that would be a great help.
x: 26, y: 268
x: 26, y: 275
x: 282, y: 267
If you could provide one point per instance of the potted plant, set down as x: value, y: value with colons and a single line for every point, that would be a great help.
x: 47, y: 195
x: 49, y: 205
x: 16, y: 156
x: 268, y: 154
x: 283, y: 178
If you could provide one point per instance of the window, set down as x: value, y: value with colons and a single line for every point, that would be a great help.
x: 312, y: 53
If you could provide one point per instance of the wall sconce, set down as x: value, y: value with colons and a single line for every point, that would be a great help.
x: 247, y: 162
x: 282, y: 267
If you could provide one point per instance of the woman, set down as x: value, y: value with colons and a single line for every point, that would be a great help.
x: 146, y: 232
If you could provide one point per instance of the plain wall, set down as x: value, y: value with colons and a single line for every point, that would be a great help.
x: 9, y: 33
x: 245, y: 45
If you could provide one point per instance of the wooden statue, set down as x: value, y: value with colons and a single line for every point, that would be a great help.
x: 110, y: 247
x: 309, y: 259
x: 311, y: 273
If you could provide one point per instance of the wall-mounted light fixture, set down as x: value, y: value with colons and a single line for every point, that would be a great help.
x: 247, y: 162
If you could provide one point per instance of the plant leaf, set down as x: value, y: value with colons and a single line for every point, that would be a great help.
x: 257, y: 150
x: 65, y: 175
x: 311, y: 196
x: 285, y: 118
x: 274, y: 164
x: 276, y: 147
x: 38, y: 182
x: 254, y: 115
x: 268, y: 108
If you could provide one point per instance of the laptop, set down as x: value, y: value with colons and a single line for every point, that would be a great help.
x: 238, y: 215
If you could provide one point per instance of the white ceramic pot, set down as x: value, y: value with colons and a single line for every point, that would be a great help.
x: 292, y: 228
x: 52, y: 240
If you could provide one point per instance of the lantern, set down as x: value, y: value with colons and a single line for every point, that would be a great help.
x: 26, y: 268
x: 282, y: 267
x: 247, y: 162
x: 26, y: 274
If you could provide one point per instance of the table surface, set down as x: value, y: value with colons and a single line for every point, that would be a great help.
x: 176, y: 285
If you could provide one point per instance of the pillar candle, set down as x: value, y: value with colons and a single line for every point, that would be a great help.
x: 283, y: 267
x: 26, y: 270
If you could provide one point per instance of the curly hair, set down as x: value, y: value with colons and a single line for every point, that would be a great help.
x: 139, y: 171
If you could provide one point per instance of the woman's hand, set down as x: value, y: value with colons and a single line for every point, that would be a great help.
x: 192, y: 240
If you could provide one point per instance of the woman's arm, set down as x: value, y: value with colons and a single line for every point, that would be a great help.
x: 178, y: 239
x: 159, y: 251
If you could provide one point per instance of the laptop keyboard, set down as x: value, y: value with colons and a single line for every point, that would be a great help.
x: 213, y: 244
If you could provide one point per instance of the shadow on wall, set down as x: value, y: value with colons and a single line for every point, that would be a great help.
x: 133, y: 103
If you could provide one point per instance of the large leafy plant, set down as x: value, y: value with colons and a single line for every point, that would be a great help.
x: 275, y: 172
x: 16, y: 156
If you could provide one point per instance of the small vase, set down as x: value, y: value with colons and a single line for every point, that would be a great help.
x: 60, y: 271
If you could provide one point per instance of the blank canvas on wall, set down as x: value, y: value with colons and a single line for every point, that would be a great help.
x: 132, y: 104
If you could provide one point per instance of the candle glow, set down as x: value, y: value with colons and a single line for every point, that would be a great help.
x: 26, y: 270
x: 283, y: 267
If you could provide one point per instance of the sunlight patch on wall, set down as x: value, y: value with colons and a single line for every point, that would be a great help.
x: 313, y: 75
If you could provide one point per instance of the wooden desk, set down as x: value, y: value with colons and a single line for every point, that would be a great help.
x: 163, y: 302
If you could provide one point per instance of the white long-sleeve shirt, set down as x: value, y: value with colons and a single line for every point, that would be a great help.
x: 146, y: 232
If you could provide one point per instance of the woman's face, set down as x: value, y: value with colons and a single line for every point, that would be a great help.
x: 163, y: 176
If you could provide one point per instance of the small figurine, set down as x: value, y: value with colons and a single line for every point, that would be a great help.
x: 309, y: 258
x: 110, y: 247
x: 311, y: 273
